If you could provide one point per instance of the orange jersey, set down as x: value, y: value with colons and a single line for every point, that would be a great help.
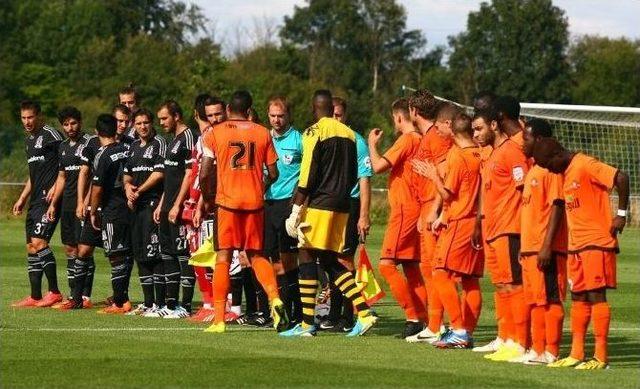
x: 462, y: 180
x: 502, y: 178
x: 542, y: 189
x: 587, y: 183
x: 518, y: 137
x: 241, y: 149
x: 433, y: 148
x: 399, y: 157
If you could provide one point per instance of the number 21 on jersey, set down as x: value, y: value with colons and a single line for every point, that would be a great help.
x: 243, y: 155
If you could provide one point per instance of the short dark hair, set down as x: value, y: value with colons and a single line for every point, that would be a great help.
x: 323, y: 93
x: 130, y: 90
x: 488, y: 115
x: 106, y: 125
x: 461, y: 123
x: 30, y: 105
x: 540, y: 128
x: 424, y: 102
x: 199, y: 105
x: 143, y: 112
x: 69, y: 112
x: 484, y: 100
x: 240, y: 102
x: 446, y: 111
x: 173, y: 107
x: 507, y: 107
x: 122, y: 109
x: 401, y: 106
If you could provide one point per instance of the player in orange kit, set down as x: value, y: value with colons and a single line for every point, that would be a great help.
x: 593, y: 243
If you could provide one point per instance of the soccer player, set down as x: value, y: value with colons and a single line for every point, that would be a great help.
x: 143, y: 177
x: 67, y: 189
x: 130, y: 98
x: 484, y: 100
x: 593, y: 243
x: 42, y: 143
x: 543, y: 251
x: 279, y: 247
x: 501, y: 195
x: 235, y: 153
x: 215, y: 109
x: 507, y: 110
x: 173, y: 234
x: 455, y: 256
x: 327, y: 176
x: 107, y: 194
x: 401, y: 244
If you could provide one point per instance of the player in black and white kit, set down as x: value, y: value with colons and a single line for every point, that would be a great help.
x: 42, y: 144
x: 130, y: 98
x: 173, y: 233
x: 143, y: 177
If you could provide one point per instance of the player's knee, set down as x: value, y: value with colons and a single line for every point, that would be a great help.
x: 85, y: 251
x: 278, y: 268
x: 38, y: 244
x: 71, y: 251
x: 347, y: 262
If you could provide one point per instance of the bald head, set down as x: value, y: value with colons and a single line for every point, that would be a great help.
x: 322, y: 104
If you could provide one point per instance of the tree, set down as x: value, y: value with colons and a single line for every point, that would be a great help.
x: 606, y: 71
x: 513, y: 47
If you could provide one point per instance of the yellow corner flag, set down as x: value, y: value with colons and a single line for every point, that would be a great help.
x: 366, y: 279
x: 205, y: 256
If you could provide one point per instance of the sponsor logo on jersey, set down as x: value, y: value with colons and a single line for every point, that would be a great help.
x: 287, y: 159
x: 148, y: 153
x: 118, y: 156
x: 367, y: 162
x: 38, y: 144
x: 176, y: 147
x: 36, y: 158
x: 534, y: 182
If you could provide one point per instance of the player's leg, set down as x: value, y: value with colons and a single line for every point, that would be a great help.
x: 457, y: 336
x: 417, y: 290
x: 400, y: 291
x: 221, y: 283
x: 555, y: 284
x: 171, y: 263
x: 434, y: 305
x: 69, y: 233
x: 117, y: 246
x: 308, y: 281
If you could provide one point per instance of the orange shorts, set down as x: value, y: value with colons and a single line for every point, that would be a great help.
x: 544, y: 287
x: 502, y: 259
x: 239, y: 230
x: 454, y: 251
x: 401, y: 239
x: 591, y: 270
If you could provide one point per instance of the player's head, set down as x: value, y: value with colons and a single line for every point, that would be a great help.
x: 461, y: 126
x: 401, y: 115
x: 484, y: 100
x: 129, y: 97
x: 240, y: 104
x: 122, y: 113
x: 71, y: 120
x: 253, y: 116
x: 106, y: 126
x: 279, y: 113
x: 445, y: 112
x: 340, y: 109
x: 199, y: 114
x: 507, y: 108
x: 170, y: 115
x: 534, y: 130
x: 30, y: 115
x: 484, y: 126
x: 143, y: 123
x: 215, y: 110
x: 322, y: 104
x: 549, y: 154
x: 421, y: 105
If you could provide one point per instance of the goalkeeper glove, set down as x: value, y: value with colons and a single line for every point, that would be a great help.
x: 291, y: 224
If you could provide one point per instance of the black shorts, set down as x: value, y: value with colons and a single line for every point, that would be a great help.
x: 38, y: 225
x: 116, y: 238
x: 173, y: 237
x: 144, y: 234
x: 89, y: 236
x: 351, y: 238
x: 276, y: 239
x: 70, y: 228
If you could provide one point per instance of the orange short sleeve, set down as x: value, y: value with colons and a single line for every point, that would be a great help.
x: 399, y: 150
x: 601, y: 173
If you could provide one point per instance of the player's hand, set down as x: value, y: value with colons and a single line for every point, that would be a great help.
x: 95, y: 222
x: 51, y: 213
x: 544, y: 257
x: 50, y: 194
x: 425, y: 169
x: 438, y: 224
x: 174, y: 212
x: 130, y: 204
x: 300, y: 234
x: 476, y: 237
x: 80, y: 210
x: 364, y: 224
x: 17, y: 207
x: 374, y: 136
x: 617, y: 225
x: 291, y: 224
x: 197, y: 217
x: 131, y: 192
x: 156, y: 215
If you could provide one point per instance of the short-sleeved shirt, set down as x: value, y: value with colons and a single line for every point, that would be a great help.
x: 108, y: 170
x: 89, y: 151
x: 542, y: 190
x: 502, y: 179
x: 399, y: 156
x: 462, y: 181
x: 242, y: 149
x: 586, y: 187
x: 69, y: 162
x: 518, y: 138
x: 144, y: 160
x: 364, y: 163
x: 42, y: 158
x: 178, y: 158
x: 289, y: 149
x: 433, y: 148
x: 196, y: 156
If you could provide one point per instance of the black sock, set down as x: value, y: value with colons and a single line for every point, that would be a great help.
x: 128, y: 261
x: 188, y: 282
x: 261, y: 297
x: 171, y: 279
x: 88, y: 281
x: 34, y: 269
x: 71, y: 259
x: 119, y: 281
x: 346, y: 282
x: 49, y: 268
x: 308, y: 273
x: 80, y: 274
x: 335, y: 303
x: 347, y: 308
x: 236, y: 289
x: 294, y: 295
x: 159, y: 283
x: 145, y: 274
x: 283, y: 290
x: 249, y: 291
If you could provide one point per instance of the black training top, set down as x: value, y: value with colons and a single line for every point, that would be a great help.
x: 42, y: 157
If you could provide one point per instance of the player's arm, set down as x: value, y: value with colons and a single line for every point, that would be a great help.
x: 208, y: 181
x: 272, y: 175
x: 156, y: 212
x: 152, y: 181
x: 364, y: 222
x: 476, y: 236
x: 24, y: 195
x: 96, y: 197
x: 621, y: 184
x: 379, y: 164
x: 57, y: 195
x: 557, y: 214
x: 430, y: 171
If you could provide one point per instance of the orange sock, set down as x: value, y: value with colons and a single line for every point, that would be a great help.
x: 221, y: 282
x: 504, y: 318
x: 265, y: 275
x: 471, y: 303
x: 446, y: 289
x: 417, y: 290
x: 580, y: 316
x: 601, y: 314
x: 399, y: 289
x: 434, y: 305
x: 538, y: 332
x: 520, y: 312
x: 553, y: 317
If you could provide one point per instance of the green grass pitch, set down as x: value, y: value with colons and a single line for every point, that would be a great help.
x: 50, y: 349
